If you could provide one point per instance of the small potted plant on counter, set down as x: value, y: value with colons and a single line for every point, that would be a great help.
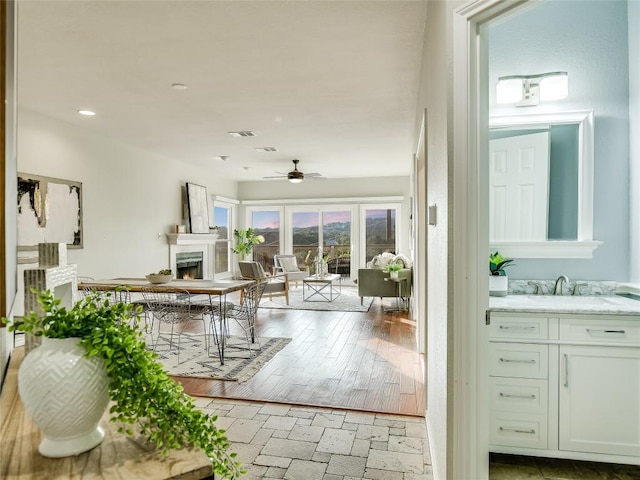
x: 498, y: 278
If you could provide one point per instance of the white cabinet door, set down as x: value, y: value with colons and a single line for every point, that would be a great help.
x: 600, y: 400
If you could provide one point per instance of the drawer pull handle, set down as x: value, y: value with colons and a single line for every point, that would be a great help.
x: 516, y: 430
x: 507, y: 360
x: 517, y: 327
x: 615, y: 332
x: 511, y: 395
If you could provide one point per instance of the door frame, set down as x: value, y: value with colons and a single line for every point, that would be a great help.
x: 469, y: 428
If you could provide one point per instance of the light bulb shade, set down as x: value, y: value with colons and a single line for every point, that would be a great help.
x: 295, y: 180
x: 554, y: 86
x: 509, y: 90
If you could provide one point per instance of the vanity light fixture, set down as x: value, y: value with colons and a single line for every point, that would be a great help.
x: 87, y: 113
x: 529, y: 90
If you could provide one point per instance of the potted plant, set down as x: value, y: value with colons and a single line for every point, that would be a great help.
x: 99, y: 331
x: 245, y: 240
x: 498, y: 278
x: 392, y: 269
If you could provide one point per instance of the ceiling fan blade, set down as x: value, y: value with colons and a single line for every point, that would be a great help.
x: 276, y: 176
x: 319, y: 177
x: 312, y: 174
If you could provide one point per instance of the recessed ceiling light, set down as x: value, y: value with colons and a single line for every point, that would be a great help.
x: 224, y: 158
x: 87, y: 113
x: 242, y: 133
x: 266, y: 149
x: 178, y: 86
x: 247, y: 168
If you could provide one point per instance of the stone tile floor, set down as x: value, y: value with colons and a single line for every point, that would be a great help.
x: 306, y: 443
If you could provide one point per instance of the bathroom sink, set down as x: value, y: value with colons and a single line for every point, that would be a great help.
x: 562, y: 300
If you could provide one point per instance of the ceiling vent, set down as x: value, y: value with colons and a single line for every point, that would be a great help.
x: 266, y: 149
x: 242, y: 133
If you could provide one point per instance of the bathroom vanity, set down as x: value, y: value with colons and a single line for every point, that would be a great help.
x: 564, y: 377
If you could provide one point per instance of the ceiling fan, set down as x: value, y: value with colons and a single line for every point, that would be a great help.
x: 296, y: 176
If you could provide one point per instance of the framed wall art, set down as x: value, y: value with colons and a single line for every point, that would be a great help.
x: 49, y: 210
x: 198, y: 208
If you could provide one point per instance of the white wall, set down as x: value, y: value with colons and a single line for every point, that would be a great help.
x: 130, y: 198
x: 435, y: 95
x: 634, y: 145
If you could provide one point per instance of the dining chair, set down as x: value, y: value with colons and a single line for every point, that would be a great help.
x: 243, y: 316
x: 171, y: 306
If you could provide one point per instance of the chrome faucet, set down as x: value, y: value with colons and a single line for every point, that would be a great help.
x: 558, y: 288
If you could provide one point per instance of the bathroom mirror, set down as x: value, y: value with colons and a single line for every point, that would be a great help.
x: 553, y: 216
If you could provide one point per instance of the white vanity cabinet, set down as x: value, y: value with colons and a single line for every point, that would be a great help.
x: 565, y: 385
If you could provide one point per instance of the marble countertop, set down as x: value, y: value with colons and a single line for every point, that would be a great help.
x: 597, y: 304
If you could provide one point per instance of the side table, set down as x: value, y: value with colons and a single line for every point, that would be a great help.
x: 401, y: 301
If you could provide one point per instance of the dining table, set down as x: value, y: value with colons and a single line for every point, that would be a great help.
x: 194, y: 287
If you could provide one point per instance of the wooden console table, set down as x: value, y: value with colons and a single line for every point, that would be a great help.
x: 117, y: 457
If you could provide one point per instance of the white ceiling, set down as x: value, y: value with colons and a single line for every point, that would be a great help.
x: 333, y: 84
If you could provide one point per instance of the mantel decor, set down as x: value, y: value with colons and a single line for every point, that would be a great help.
x: 198, y: 208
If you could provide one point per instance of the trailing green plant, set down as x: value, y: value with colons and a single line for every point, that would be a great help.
x: 497, y: 264
x: 142, y: 392
x: 245, y: 241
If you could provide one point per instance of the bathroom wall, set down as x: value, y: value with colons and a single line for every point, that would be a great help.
x: 589, y: 40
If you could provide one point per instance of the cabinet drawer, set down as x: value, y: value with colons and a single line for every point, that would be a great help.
x: 518, y: 395
x: 615, y: 330
x: 518, y: 430
x: 505, y: 326
x: 518, y: 360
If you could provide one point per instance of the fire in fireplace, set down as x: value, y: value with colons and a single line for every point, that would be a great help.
x: 189, y: 265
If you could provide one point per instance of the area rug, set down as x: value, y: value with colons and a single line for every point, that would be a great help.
x: 195, y: 362
x: 347, y: 301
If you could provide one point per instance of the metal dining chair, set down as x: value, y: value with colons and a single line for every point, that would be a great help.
x: 172, y: 306
x: 243, y: 316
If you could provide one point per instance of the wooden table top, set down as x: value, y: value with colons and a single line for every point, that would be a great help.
x: 117, y: 457
x: 206, y: 287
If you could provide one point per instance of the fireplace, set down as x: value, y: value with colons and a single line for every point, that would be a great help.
x: 189, y: 265
x: 192, y: 255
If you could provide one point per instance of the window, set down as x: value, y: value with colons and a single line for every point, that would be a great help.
x: 379, y: 230
x: 267, y: 224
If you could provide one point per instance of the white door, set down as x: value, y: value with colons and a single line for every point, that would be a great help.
x: 599, y: 399
x: 518, y: 187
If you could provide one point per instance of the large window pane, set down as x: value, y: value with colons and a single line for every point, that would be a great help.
x: 222, y: 219
x: 380, y: 232
x: 267, y: 224
x: 336, y: 241
x: 305, y: 236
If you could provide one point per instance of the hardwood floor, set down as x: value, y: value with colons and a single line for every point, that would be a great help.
x: 352, y: 360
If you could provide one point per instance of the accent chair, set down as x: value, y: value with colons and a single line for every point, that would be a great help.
x: 277, y: 285
x: 289, y: 264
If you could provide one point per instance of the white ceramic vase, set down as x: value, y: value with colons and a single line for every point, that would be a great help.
x: 65, y: 394
x: 498, y: 285
x: 393, y: 274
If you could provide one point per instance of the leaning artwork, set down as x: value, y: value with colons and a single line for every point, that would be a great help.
x: 49, y: 210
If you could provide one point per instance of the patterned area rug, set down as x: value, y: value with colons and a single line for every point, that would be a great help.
x: 239, y: 365
x: 347, y: 301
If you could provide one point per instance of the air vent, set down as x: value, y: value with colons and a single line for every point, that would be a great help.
x: 266, y: 149
x: 242, y: 133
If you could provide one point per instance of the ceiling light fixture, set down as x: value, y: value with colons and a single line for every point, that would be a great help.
x: 295, y: 180
x: 224, y: 158
x: 266, y: 149
x: 529, y: 90
x: 87, y: 113
x: 179, y: 86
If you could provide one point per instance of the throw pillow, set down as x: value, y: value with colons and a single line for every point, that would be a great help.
x: 403, y: 260
x: 380, y: 261
x: 288, y: 264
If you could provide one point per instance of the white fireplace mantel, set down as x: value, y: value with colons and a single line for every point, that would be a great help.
x: 194, y: 242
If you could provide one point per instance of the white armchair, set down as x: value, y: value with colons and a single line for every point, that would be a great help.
x: 289, y: 264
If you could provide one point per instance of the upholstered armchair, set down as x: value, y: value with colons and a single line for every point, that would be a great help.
x: 289, y: 264
x: 277, y: 285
